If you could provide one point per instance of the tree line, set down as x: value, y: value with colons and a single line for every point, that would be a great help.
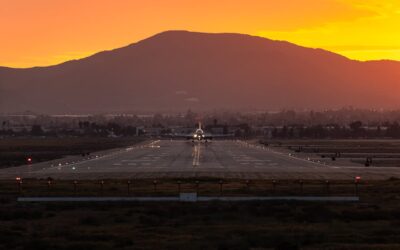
x: 353, y: 130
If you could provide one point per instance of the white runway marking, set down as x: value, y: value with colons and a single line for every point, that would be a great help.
x: 182, y: 159
x: 196, y: 155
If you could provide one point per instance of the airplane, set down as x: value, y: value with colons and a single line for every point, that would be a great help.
x: 200, y: 135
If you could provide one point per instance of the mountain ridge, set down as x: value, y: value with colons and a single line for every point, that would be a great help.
x: 201, y: 71
x: 185, y: 31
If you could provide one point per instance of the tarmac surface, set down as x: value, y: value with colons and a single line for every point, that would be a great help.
x: 184, y: 159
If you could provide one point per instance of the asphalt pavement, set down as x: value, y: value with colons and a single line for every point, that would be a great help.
x: 183, y: 159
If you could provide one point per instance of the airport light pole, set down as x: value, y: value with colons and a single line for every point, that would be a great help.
x: 221, y: 182
x: 49, y: 183
x: 357, y: 180
x: 19, y: 183
x: 274, y: 185
x: 248, y: 184
x: 29, y: 160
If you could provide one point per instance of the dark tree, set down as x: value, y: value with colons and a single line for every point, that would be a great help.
x: 356, y: 126
x: 36, y: 130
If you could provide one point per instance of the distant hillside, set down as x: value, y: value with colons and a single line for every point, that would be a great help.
x: 177, y: 70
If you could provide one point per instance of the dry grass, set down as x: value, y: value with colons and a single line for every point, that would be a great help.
x: 384, y: 152
x: 371, y: 224
x: 170, y: 187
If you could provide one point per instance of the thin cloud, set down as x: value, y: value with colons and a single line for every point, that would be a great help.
x: 192, y: 99
x: 181, y: 92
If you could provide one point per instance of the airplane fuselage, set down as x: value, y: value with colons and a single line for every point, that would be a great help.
x: 198, y: 134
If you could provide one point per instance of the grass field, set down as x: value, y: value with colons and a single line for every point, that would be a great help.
x: 15, y: 151
x: 372, y: 223
x: 383, y: 152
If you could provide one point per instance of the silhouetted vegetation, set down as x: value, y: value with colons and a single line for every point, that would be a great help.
x: 335, y: 131
x: 342, y: 123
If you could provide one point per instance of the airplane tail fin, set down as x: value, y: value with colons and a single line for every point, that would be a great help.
x: 199, y: 125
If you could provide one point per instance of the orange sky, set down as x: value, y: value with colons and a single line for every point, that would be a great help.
x: 45, y: 32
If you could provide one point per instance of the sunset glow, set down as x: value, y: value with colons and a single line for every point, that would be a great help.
x: 46, y: 32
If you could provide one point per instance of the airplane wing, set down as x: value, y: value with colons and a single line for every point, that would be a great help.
x: 209, y: 136
x: 180, y: 136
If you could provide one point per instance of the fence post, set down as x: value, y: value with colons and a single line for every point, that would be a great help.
x: 248, y: 184
x: 179, y: 186
x: 155, y: 185
x: 301, y: 186
x: 327, y: 183
x: 274, y: 185
x: 129, y: 186
x: 75, y: 186
x: 102, y: 187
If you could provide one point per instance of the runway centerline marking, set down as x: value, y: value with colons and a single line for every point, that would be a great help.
x: 196, y: 155
x: 181, y: 158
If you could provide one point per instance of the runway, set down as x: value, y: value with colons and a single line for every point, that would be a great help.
x: 184, y: 159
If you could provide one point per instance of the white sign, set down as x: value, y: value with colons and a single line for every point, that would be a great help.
x: 188, y: 197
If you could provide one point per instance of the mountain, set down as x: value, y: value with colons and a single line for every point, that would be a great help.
x: 177, y: 70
